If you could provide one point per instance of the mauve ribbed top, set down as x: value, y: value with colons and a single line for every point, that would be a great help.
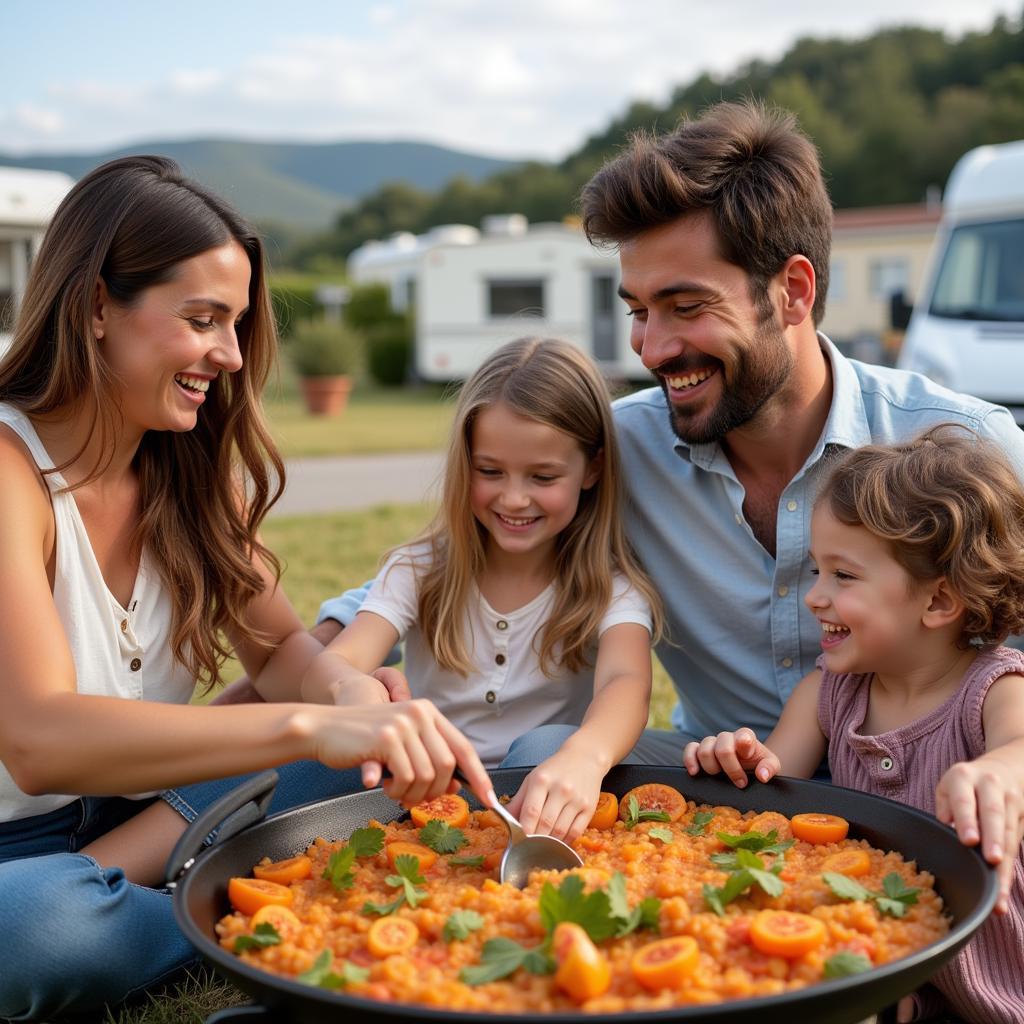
x: 985, y: 982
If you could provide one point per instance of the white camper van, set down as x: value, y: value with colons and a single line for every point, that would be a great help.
x: 967, y: 329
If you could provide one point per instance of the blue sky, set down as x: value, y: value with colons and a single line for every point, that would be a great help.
x: 527, y: 78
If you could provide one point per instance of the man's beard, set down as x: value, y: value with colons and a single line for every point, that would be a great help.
x: 758, y: 373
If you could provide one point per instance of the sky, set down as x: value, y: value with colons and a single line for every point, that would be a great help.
x: 529, y: 78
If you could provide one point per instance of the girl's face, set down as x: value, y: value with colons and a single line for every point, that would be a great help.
x: 869, y: 608
x: 526, y: 479
x: 166, y: 349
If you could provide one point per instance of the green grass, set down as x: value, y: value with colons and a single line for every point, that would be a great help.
x: 321, y: 555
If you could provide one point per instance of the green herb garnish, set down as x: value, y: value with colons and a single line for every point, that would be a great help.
x: 893, y: 900
x: 845, y: 963
x: 664, y: 834
x: 634, y: 815
x: 591, y: 911
x: 460, y: 924
x: 750, y: 870
x: 364, y: 842
x: 320, y: 974
x: 753, y: 842
x: 501, y: 957
x: 441, y: 837
x: 643, y: 915
x: 700, y: 822
x: 468, y: 862
x: 407, y: 879
x: 263, y: 935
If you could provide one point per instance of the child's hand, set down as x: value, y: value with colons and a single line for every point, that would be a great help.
x: 982, y: 800
x: 361, y: 690
x: 733, y: 753
x: 559, y: 796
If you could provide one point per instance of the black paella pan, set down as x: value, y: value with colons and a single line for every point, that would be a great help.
x: 966, y: 884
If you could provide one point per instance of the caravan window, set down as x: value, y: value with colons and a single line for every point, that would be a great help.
x: 982, y: 273
x: 515, y: 298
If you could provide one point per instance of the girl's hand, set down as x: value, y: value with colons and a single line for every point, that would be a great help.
x: 417, y: 745
x: 360, y: 690
x: 733, y: 753
x: 559, y: 796
x: 982, y: 800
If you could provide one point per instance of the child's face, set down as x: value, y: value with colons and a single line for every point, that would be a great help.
x: 869, y: 608
x: 526, y: 479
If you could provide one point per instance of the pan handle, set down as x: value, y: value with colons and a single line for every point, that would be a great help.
x: 241, y: 807
x: 245, y: 1012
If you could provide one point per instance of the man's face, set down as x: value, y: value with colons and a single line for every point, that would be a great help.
x: 718, y: 356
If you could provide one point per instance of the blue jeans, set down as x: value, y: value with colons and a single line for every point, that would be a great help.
x: 82, y: 935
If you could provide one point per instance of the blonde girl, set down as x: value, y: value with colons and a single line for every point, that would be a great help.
x: 136, y: 471
x: 919, y: 556
x: 521, y: 605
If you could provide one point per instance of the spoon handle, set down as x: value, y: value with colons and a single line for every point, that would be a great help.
x: 515, y: 830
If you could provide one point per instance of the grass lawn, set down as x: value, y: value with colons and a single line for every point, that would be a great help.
x: 322, y: 555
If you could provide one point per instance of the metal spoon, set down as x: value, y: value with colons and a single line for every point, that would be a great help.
x: 531, y: 853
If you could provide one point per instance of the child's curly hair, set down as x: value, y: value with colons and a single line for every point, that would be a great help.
x: 950, y: 504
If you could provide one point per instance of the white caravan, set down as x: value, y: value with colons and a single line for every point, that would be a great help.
x: 27, y: 201
x: 967, y: 329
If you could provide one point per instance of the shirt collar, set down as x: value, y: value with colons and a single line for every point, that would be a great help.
x: 846, y: 426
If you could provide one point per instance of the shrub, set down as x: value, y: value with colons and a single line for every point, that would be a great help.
x: 369, y: 305
x: 294, y: 302
x: 389, y: 349
x: 321, y: 348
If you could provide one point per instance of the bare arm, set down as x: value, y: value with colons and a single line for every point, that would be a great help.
x: 983, y: 799
x: 795, y: 747
x: 559, y: 796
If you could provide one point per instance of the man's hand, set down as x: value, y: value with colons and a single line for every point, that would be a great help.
x: 982, y: 800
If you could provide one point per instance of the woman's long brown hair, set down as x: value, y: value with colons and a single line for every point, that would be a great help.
x: 203, y: 493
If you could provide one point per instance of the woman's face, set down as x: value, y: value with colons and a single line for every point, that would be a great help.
x: 168, y: 348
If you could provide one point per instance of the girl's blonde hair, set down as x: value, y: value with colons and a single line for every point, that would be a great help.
x: 131, y: 223
x: 950, y: 505
x: 554, y: 383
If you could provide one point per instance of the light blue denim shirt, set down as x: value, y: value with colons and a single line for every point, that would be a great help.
x: 740, y: 637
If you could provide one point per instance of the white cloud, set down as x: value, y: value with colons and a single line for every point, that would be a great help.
x: 529, y: 78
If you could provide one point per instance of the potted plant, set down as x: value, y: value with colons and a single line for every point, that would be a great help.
x: 326, y: 355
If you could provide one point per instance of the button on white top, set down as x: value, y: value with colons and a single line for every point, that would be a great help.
x: 502, y: 624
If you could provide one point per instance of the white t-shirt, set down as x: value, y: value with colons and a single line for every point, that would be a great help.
x: 507, y: 694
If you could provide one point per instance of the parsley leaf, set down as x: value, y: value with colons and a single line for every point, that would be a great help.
x: 893, y: 900
x: 263, y: 935
x: 634, y: 815
x: 460, y: 924
x: 664, y: 834
x: 643, y: 915
x: 568, y: 903
x: 749, y: 870
x: 700, y: 822
x: 407, y: 879
x: 469, y: 862
x: 845, y: 963
x: 321, y: 975
x: 441, y: 837
x: 364, y: 842
x: 502, y: 957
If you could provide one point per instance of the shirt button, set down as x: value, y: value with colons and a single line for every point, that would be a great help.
x: 124, y: 625
x: 135, y: 664
x: 787, y: 662
x: 791, y: 505
x: 783, y: 590
x: 886, y: 764
x: 499, y: 659
x: 490, y: 697
x: 501, y: 624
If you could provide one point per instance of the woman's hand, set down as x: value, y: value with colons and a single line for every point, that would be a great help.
x: 412, y: 740
x: 559, y: 796
x: 734, y: 753
x: 982, y: 800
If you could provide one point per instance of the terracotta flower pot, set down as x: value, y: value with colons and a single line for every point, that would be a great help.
x: 326, y: 396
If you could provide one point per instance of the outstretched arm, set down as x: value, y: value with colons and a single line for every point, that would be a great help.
x: 559, y: 796
x: 983, y: 799
x: 795, y: 747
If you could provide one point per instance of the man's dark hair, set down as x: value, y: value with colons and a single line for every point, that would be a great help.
x: 748, y: 165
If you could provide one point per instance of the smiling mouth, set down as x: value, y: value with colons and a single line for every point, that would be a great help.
x: 516, y: 521
x: 832, y: 633
x: 195, y: 385
x: 684, y: 382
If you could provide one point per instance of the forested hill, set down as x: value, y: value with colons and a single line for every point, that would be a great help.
x: 294, y: 184
x: 891, y: 113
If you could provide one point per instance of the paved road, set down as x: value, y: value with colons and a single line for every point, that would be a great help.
x: 354, y: 482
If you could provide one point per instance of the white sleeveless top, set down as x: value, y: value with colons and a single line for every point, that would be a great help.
x: 118, y: 652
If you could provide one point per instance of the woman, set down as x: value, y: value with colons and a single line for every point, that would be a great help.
x: 134, y: 458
